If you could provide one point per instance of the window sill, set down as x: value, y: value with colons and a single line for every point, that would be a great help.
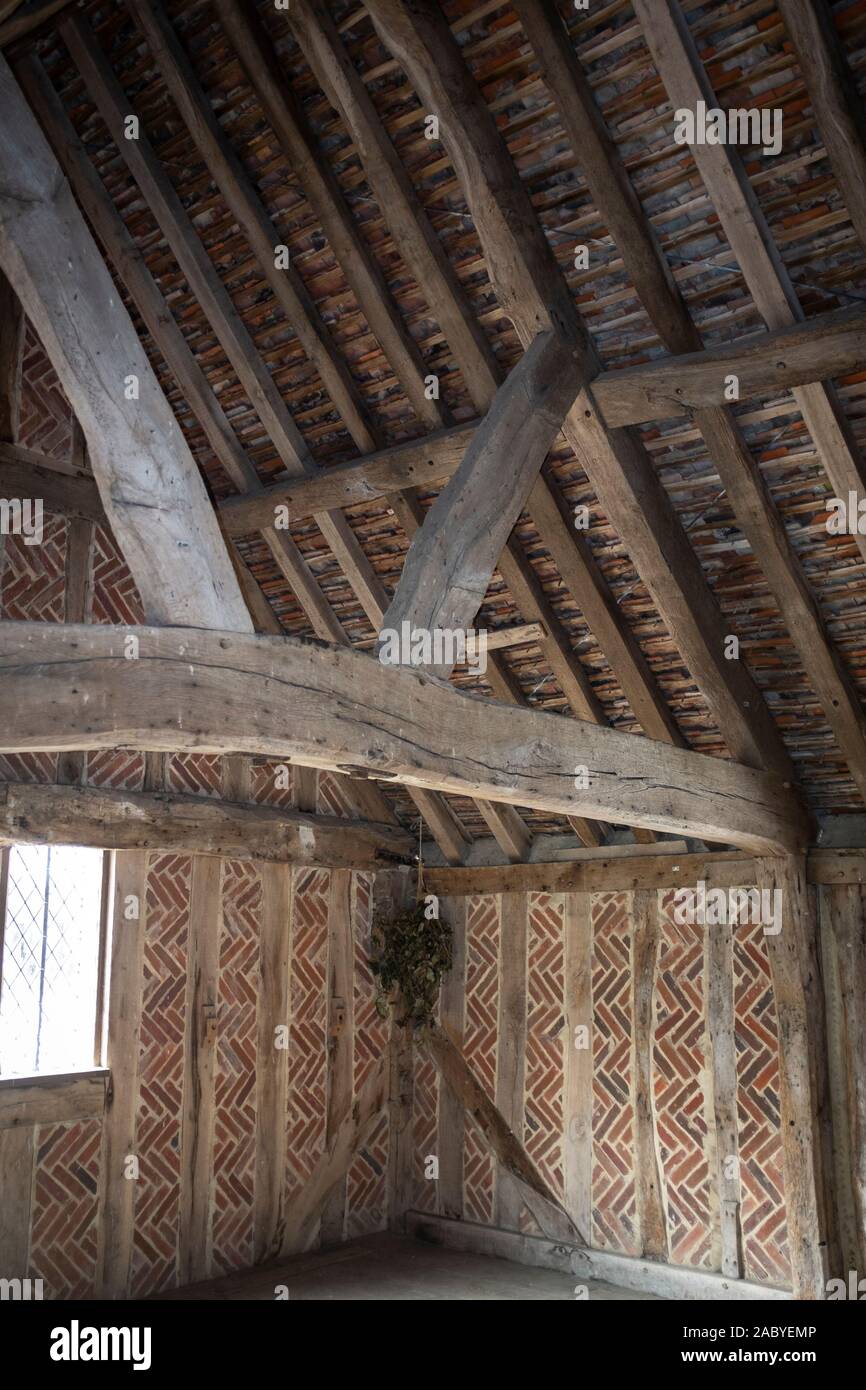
x: 52, y: 1098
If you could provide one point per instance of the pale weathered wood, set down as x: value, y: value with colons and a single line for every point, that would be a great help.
x: 606, y: 871
x: 392, y: 894
x: 511, y: 1042
x: 137, y: 449
x: 451, y: 1124
x: 18, y: 1167
x: 804, y: 1103
x: 497, y: 1135
x: 445, y: 827
x: 149, y: 301
x: 572, y: 555
x: 720, y: 1098
x: 828, y: 345
x: 195, y: 1222
x: 119, y: 1152
x: 535, y: 296
x: 755, y: 511
x: 848, y: 926
x: 509, y: 831
x: 577, y: 1059
x: 37, y: 1100
x: 114, y: 107
x: 341, y: 1040
x: 168, y: 821
x: 214, y: 298
x: 647, y: 1277
x: 836, y: 103
x: 336, y: 707
x: 651, y: 1231
x: 450, y: 562
x: 273, y: 1009
x: 77, y: 601
x: 305, y: 1208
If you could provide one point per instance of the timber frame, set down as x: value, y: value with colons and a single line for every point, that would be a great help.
x: 479, y: 436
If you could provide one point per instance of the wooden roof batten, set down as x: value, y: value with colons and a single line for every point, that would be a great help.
x: 744, y: 486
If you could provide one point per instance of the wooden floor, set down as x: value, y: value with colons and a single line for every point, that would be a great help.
x: 398, y: 1268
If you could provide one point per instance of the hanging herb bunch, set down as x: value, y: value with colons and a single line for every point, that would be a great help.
x: 411, y: 952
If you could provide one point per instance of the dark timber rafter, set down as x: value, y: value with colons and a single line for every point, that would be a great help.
x: 724, y: 175
x: 828, y: 345
x: 836, y: 103
x: 364, y: 796
x: 421, y: 249
x: 364, y: 277
x: 414, y: 237
x: 761, y: 523
x: 533, y: 293
x: 290, y: 293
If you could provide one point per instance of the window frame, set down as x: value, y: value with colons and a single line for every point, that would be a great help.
x: 100, y: 1030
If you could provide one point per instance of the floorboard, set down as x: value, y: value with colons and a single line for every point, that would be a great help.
x: 398, y: 1269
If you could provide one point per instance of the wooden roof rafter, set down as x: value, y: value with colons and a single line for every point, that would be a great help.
x: 530, y: 288
x: 563, y: 549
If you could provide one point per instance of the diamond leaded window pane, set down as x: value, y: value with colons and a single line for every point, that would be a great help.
x: 50, y: 960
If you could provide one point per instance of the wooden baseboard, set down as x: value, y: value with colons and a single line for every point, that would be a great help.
x: 643, y: 1276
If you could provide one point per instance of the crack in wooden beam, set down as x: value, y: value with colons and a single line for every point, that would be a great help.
x: 302, y: 701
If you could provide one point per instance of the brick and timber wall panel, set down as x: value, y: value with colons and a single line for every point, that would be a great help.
x: 680, y: 1097
x: 62, y: 1233
x: 482, y: 1002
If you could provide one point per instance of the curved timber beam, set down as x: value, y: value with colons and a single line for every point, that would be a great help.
x: 185, y: 690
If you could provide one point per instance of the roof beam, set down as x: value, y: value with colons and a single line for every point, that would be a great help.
x: 150, y: 486
x: 422, y: 252
x: 664, y: 388
x: 336, y: 707
x: 239, y: 347
x: 25, y: 473
x: 423, y: 462
x: 32, y: 814
x: 742, y: 479
x: 133, y: 272
x: 603, y: 873
x: 450, y: 562
x: 418, y: 245
x: 829, y: 345
x: 836, y: 103
x: 726, y: 181
x: 534, y: 295
x: 191, y: 256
